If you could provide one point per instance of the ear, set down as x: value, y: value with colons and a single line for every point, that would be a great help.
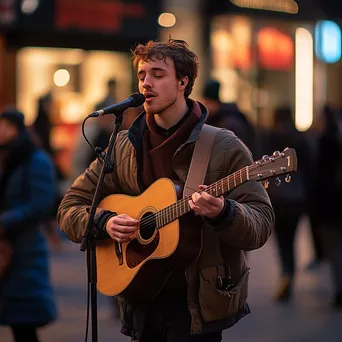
x: 184, y: 82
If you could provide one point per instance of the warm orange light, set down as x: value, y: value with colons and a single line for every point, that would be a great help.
x: 304, y: 72
x: 241, y: 34
x: 275, y: 49
x: 167, y: 20
x: 286, y: 6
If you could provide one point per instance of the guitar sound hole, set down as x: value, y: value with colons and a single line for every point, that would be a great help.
x: 147, y: 225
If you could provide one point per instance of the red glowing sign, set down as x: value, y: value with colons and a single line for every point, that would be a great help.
x: 275, y: 49
x: 97, y: 15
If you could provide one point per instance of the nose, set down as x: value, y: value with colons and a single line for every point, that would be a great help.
x: 147, y: 84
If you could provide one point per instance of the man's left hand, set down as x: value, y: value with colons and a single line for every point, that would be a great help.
x: 206, y: 205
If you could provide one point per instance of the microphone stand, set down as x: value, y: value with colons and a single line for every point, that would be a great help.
x: 89, y: 239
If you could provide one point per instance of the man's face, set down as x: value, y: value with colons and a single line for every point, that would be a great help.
x: 8, y: 131
x: 158, y: 82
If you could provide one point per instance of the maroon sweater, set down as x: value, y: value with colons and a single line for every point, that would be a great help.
x: 160, y: 145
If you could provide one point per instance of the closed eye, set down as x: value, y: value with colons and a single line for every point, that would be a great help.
x: 141, y: 75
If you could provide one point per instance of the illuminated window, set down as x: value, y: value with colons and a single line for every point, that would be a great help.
x: 328, y: 41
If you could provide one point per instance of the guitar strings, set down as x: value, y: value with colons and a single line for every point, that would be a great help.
x: 167, y: 212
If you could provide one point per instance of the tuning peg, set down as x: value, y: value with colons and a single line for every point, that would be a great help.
x: 288, y: 179
x: 277, y: 181
x: 276, y: 153
x: 266, y: 184
x: 265, y: 157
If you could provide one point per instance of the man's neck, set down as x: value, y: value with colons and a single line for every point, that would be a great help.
x: 171, y: 115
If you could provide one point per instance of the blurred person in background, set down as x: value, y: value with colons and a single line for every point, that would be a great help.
x: 326, y: 190
x: 289, y: 200
x: 27, y: 194
x: 313, y: 134
x: 228, y: 115
x: 97, y: 131
x: 160, y: 144
x: 42, y: 129
x: 104, y: 123
x: 42, y: 125
x: 110, y: 96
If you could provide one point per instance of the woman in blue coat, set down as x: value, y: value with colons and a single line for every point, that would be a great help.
x: 27, y: 195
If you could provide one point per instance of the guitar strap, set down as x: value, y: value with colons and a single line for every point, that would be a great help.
x: 196, y: 176
x: 200, y: 159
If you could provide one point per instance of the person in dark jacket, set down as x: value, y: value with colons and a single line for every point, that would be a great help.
x: 97, y: 131
x: 326, y: 189
x: 27, y: 194
x: 42, y: 125
x: 228, y: 115
x: 42, y: 129
x: 289, y: 200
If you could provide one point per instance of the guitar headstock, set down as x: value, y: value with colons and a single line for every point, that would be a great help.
x: 278, y: 163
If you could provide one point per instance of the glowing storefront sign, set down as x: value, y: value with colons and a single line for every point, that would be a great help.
x: 286, y: 6
x: 275, y: 49
x: 328, y: 41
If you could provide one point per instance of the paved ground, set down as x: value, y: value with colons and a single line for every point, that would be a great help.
x: 308, y: 318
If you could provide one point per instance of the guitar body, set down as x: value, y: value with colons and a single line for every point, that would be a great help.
x: 145, y: 262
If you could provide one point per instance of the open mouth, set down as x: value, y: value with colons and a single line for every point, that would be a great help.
x: 149, y: 97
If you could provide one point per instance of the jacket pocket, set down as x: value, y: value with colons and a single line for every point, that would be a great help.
x: 217, y: 304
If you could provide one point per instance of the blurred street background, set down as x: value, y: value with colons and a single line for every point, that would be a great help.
x: 270, y: 70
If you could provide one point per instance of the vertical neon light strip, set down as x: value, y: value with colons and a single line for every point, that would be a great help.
x: 304, y: 79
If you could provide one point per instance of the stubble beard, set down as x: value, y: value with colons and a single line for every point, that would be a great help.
x: 160, y: 109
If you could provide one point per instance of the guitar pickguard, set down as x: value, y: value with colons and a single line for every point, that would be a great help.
x: 136, y: 253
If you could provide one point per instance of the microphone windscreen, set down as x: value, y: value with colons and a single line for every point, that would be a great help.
x: 137, y: 99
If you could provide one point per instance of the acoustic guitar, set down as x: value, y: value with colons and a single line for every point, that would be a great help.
x: 138, y: 269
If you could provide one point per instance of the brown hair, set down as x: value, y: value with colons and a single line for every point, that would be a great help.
x: 186, y: 62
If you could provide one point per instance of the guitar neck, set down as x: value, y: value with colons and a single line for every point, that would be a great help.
x: 217, y: 189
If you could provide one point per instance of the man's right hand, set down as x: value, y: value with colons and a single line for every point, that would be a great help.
x: 122, y: 227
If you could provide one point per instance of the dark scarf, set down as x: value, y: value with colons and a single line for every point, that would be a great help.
x: 160, y: 145
x: 17, y: 153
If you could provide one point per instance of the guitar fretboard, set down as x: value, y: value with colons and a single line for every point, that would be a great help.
x: 181, y: 207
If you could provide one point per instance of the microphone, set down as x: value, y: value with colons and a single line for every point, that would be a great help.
x: 135, y: 100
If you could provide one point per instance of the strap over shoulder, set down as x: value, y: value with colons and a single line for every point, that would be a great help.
x: 200, y: 159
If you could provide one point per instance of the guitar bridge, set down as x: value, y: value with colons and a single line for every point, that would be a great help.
x: 118, y: 252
